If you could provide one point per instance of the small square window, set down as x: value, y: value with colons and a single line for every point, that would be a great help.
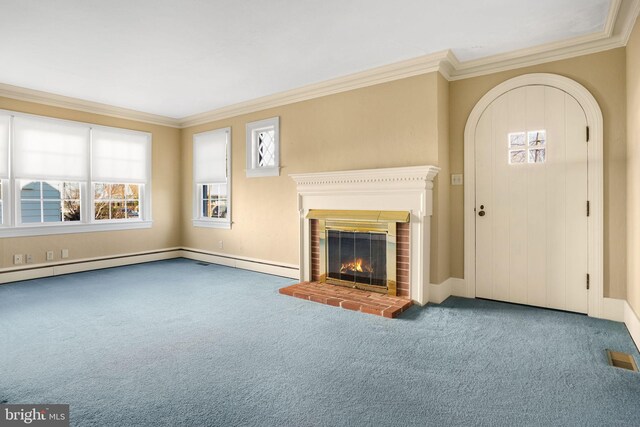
x: 517, y: 156
x: 537, y: 138
x: 537, y: 155
x: 263, y: 148
x: 516, y: 139
x: 527, y: 147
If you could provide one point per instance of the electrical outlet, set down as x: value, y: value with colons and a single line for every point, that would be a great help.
x: 28, y: 258
x: 456, y: 179
x: 17, y: 259
x: 49, y: 255
x: 65, y: 253
x: 221, y: 244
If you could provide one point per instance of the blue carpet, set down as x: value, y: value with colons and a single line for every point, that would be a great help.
x: 176, y: 343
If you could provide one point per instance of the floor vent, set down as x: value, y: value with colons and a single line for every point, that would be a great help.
x: 622, y: 360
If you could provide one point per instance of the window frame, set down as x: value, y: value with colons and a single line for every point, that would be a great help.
x: 198, y: 195
x: 253, y: 169
x: 111, y: 200
x: 526, y: 147
x: 12, y: 225
x: 42, y: 200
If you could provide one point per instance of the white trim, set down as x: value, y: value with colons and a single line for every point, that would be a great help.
x: 458, y: 287
x: 595, y: 184
x: 35, y: 271
x: 396, y: 71
x: 262, y: 172
x: 72, y: 227
x: 632, y: 321
x: 615, y: 33
x: 438, y: 293
x: 613, y: 309
x: 407, y: 189
x: 46, y: 98
x: 617, y: 29
x: 211, y: 223
x: 261, y: 266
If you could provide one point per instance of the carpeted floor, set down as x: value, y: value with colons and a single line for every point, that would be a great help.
x: 177, y: 343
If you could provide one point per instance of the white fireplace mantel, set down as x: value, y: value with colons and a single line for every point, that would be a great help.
x: 393, y: 189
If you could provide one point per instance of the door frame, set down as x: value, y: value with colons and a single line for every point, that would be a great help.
x: 594, y: 186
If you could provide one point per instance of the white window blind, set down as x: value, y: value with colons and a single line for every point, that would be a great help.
x: 119, y: 156
x: 5, y: 123
x: 50, y: 150
x: 210, y: 157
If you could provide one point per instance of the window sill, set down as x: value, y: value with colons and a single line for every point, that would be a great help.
x: 207, y: 223
x: 45, y: 230
x: 260, y: 172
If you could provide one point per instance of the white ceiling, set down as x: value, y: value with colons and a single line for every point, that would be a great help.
x: 177, y: 58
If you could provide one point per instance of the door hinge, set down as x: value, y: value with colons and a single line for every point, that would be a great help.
x: 588, y: 281
x: 587, y: 133
x: 588, y: 208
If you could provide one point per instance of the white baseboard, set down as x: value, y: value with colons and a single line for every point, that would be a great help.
x: 37, y: 271
x: 440, y: 292
x: 632, y: 321
x: 458, y: 287
x: 613, y: 309
x: 261, y: 266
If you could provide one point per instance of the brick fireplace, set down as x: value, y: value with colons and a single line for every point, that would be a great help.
x: 364, y: 192
x: 400, y: 253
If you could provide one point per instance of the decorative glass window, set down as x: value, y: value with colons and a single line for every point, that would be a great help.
x: 527, y: 147
x: 212, y: 179
x: 116, y: 201
x: 49, y: 201
x: 263, y: 148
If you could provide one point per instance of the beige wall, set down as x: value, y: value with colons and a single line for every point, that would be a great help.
x: 414, y: 121
x: 441, y: 221
x: 165, y: 232
x: 633, y: 169
x: 388, y: 125
x: 603, y: 75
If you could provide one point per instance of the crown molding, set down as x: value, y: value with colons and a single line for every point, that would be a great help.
x: 615, y: 33
x: 396, y: 71
x: 45, y: 98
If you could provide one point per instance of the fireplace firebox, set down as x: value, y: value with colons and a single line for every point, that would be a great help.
x: 357, y: 257
x: 358, y: 248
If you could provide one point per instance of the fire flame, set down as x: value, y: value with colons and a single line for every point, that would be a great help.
x: 356, y: 266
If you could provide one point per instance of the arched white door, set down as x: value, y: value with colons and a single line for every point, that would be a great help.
x: 531, y: 193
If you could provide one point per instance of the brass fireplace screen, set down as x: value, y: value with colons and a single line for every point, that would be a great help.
x: 358, y: 248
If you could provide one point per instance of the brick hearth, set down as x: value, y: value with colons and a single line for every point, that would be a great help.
x: 351, y: 299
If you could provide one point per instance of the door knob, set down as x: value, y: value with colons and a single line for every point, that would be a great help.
x: 482, y: 212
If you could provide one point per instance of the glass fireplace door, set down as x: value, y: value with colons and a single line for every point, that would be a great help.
x: 357, y: 258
